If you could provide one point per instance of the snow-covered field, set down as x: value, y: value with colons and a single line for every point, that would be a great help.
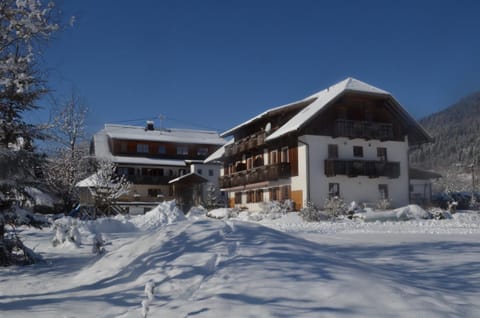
x: 273, y: 267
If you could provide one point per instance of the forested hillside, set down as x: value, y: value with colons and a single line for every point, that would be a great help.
x: 457, y: 137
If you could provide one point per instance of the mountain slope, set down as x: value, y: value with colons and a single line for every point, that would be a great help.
x: 456, y: 130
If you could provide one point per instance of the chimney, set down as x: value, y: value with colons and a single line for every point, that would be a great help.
x: 149, y: 125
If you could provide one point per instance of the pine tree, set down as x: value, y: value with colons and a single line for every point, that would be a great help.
x: 24, y: 26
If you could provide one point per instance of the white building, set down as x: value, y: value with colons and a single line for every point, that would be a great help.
x: 349, y: 140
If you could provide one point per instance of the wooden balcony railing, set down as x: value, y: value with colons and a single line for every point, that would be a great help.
x: 258, y: 174
x: 149, y: 179
x: 354, y: 168
x: 245, y: 144
x: 363, y: 129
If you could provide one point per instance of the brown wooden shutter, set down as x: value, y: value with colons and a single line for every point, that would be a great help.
x: 293, y: 159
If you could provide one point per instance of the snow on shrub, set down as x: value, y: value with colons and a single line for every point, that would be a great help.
x: 335, y: 207
x: 98, y: 244
x: 149, y: 295
x: 66, y: 231
x: 312, y: 213
x: 384, y: 204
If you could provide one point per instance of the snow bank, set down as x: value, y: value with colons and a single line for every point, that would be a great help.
x: 196, y: 212
x: 222, y: 213
x: 165, y: 213
x: 410, y: 212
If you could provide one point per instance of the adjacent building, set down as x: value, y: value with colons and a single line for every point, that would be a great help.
x: 150, y: 158
x: 349, y: 140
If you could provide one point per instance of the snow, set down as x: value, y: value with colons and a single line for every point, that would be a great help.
x: 126, y: 132
x: 163, y: 264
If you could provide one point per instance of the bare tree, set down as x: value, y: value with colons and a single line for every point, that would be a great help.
x: 69, y: 161
x: 107, y: 187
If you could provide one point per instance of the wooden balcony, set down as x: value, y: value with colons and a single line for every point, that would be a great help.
x: 152, y: 180
x: 245, y: 144
x: 363, y: 129
x: 354, y: 168
x: 258, y: 174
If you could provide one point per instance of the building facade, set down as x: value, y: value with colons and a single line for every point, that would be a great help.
x: 350, y: 140
x: 150, y: 157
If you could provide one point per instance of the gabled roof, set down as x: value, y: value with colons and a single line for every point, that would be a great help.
x: 313, y: 104
x: 126, y: 132
x: 268, y: 113
x: 322, y: 99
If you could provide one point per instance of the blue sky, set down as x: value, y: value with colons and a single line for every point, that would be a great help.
x: 214, y: 64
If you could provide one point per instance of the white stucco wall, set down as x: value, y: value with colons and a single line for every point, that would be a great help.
x: 359, y: 189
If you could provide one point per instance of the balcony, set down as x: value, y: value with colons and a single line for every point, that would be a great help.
x: 245, y: 144
x: 363, y: 129
x: 258, y: 174
x: 354, y: 168
x: 152, y: 180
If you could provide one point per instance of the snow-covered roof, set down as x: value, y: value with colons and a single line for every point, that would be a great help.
x: 268, y: 113
x: 312, y: 105
x: 192, y: 175
x: 147, y: 161
x: 323, y: 98
x: 126, y: 132
x: 218, y: 154
x: 102, y: 148
x: 88, y: 182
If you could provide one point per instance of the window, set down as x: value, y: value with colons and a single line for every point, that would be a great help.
x: 250, y: 163
x: 383, y: 191
x: 199, y: 171
x: 162, y: 149
x: 182, y: 150
x: 181, y: 172
x: 238, y: 197
x: 357, y: 151
x: 142, y: 148
x: 250, y: 196
x: 333, y: 190
x: 285, y: 193
x: 284, y: 154
x: 210, y: 172
x: 382, y: 154
x: 332, y: 151
x: 202, y: 151
x: 274, y: 194
x: 273, y: 157
x: 258, y: 161
x: 122, y: 171
x: 259, y: 195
